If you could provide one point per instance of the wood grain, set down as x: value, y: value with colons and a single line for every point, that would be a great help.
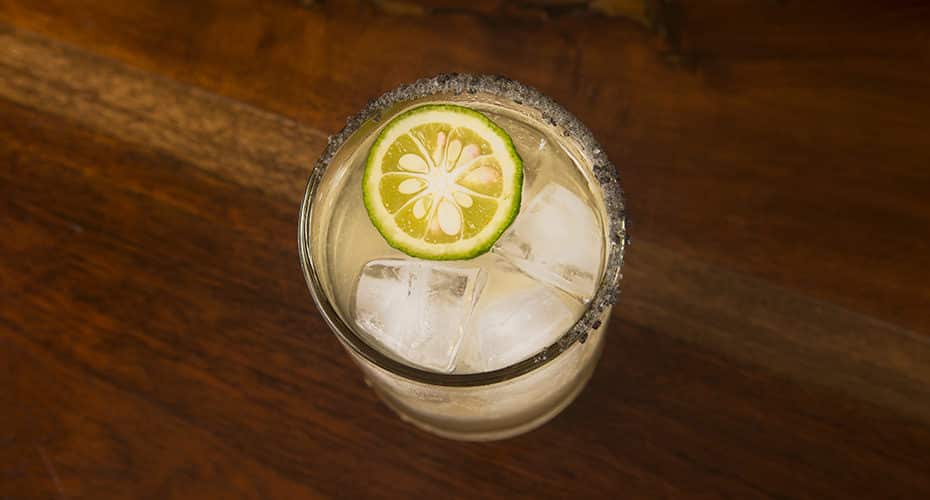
x: 777, y: 108
x: 249, y: 146
x: 157, y: 340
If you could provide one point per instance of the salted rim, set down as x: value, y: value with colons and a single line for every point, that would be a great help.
x: 605, y: 173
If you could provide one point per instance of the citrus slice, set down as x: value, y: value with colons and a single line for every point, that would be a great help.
x: 442, y: 182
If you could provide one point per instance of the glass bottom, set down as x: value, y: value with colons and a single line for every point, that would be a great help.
x: 491, y: 412
x: 494, y: 435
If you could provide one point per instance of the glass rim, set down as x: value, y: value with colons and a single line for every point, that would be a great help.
x: 605, y: 174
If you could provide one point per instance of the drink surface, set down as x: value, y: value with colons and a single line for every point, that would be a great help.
x: 484, y: 313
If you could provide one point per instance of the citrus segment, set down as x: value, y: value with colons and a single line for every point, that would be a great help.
x: 442, y: 182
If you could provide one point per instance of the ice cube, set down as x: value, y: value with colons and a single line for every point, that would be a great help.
x: 417, y: 310
x: 556, y: 239
x: 517, y: 326
x: 537, y: 153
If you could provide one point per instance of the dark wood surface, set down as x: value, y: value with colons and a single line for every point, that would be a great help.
x: 157, y: 339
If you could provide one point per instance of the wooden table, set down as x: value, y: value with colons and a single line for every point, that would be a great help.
x: 157, y: 339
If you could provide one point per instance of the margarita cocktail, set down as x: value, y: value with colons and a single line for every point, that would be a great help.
x: 463, y: 237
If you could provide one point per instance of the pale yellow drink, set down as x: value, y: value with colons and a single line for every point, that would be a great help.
x: 481, y: 348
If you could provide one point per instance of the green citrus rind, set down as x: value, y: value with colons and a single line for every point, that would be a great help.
x: 503, y: 152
